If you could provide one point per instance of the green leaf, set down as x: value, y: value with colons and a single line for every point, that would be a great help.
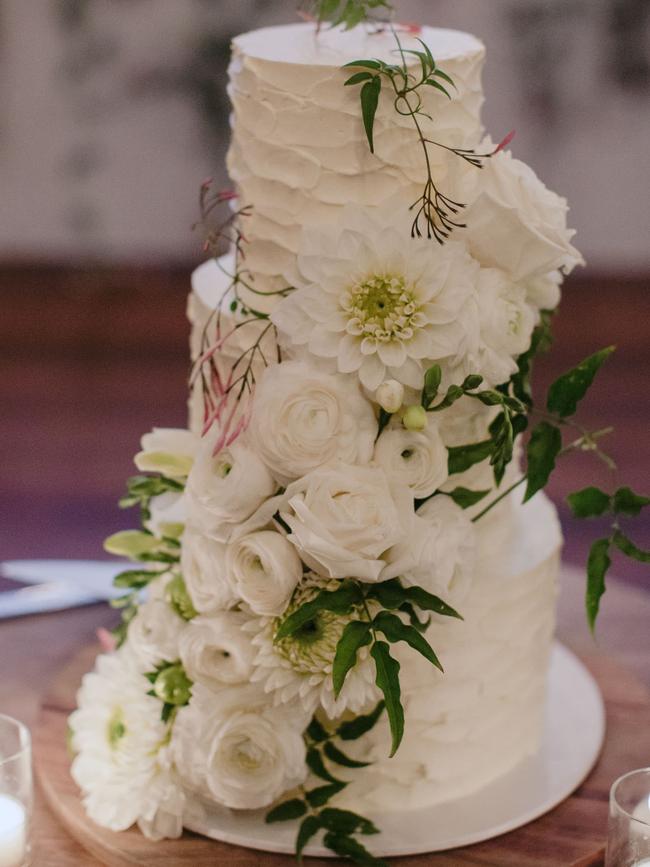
x: 135, y: 578
x: 589, y: 503
x: 461, y: 458
x: 626, y: 502
x: 395, y: 630
x: 335, y: 755
x: 360, y: 725
x: 131, y: 543
x: 340, y: 601
x: 355, y: 636
x: 409, y: 610
x: 465, y: 498
x: 321, y: 795
x: 164, y: 462
x: 432, y: 379
x: 627, y: 546
x: 308, y: 827
x: 316, y: 732
x: 316, y: 765
x: 432, y: 83
x: 389, y: 594
x: 566, y: 392
x: 541, y: 342
x: 369, y: 102
x: 597, y: 567
x: 384, y: 419
x: 364, y: 64
x: 544, y: 446
x: 350, y: 848
x: 387, y: 679
x: 358, y: 77
x: 346, y: 822
x: 428, y: 602
x: 444, y: 77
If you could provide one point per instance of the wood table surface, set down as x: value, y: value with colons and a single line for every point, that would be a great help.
x: 34, y: 649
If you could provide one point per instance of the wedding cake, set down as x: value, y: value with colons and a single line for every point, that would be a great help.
x: 341, y: 603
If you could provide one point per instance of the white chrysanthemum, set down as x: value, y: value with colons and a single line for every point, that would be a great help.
x: 203, y: 565
x: 235, y: 748
x: 377, y: 302
x: 300, y: 665
x: 303, y: 418
x: 417, y: 459
x: 121, y: 764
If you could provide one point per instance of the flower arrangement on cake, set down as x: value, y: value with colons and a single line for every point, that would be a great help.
x: 341, y: 599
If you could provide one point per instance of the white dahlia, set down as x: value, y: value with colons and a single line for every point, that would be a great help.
x: 121, y: 762
x: 378, y: 303
x: 299, y: 666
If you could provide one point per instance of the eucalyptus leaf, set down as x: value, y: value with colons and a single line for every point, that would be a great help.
x: 355, y: 636
x: 360, y: 725
x: 387, y: 679
x: 597, y: 568
x: 544, y: 446
x: 395, y: 630
x: 335, y: 755
x: 566, y: 392
x: 590, y: 502
x: 627, y: 546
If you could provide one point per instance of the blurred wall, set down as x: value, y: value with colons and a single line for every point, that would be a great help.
x: 113, y: 111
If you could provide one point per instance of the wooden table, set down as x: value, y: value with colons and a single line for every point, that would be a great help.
x: 33, y: 649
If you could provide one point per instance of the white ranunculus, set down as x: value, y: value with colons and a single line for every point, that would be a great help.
x: 168, y: 514
x: 169, y: 451
x: 303, y: 418
x: 233, y: 747
x: 414, y: 458
x: 154, y: 633
x: 377, y: 303
x: 264, y: 569
x: 203, y: 566
x: 226, y: 488
x: 343, y: 519
x: 514, y: 222
x: 120, y: 762
x: 507, y: 322
x: 439, y: 552
x: 214, y: 650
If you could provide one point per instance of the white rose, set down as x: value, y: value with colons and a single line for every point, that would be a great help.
x: 507, y: 323
x: 226, y: 488
x: 235, y: 748
x: 514, y: 222
x: 214, y: 650
x: 438, y: 554
x: 203, y: 566
x: 303, y: 418
x: 154, y: 633
x: 265, y: 570
x: 169, y: 451
x: 343, y: 519
x: 416, y: 459
x: 168, y: 514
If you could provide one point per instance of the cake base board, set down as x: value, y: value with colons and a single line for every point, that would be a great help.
x: 571, y: 834
x: 574, y: 730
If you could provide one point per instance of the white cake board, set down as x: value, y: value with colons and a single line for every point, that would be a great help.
x: 573, y: 736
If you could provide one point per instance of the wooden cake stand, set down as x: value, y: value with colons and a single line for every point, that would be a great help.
x: 571, y: 835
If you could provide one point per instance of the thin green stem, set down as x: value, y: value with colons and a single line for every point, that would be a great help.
x: 496, y: 501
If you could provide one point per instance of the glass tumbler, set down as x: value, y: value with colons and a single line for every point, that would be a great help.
x: 628, y: 839
x: 16, y: 793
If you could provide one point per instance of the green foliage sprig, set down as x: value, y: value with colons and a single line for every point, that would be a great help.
x: 171, y: 685
x: 436, y: 214
x: 323, y: 756
x: 347, y: 13
x: 373, y: 608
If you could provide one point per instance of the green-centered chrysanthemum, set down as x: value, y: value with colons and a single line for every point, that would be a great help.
x: 382, y: 307
x: 300, y: 665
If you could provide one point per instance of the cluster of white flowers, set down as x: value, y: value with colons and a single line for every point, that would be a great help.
x: 317, y: 489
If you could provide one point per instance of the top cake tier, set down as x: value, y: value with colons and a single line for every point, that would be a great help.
x: 299, y: 151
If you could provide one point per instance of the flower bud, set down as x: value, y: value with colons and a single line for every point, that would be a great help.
x: 173, y: 686
x: 415, y: 418
x: 390, y: 395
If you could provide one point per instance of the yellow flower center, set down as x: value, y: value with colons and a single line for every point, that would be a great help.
x: 382, y: 307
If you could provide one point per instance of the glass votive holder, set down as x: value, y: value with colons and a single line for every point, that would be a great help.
x: 16, y: 793
x: 628, y: 839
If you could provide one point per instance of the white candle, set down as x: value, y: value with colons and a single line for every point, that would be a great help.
x: 13, y: 832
